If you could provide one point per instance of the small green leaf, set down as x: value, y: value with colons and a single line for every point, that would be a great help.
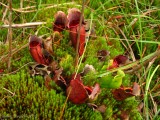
x: 117, y: 81
x: 111, y: 82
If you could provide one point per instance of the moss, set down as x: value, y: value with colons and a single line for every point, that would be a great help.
x: 90, y: 79
x: 32, y: 100
x: 127, y: 80
x: 131, y: 107
x: 67, y: 63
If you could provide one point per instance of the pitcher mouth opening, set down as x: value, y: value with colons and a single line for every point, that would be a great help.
x: 58, y: 27
x: 34, y: 44
x: 72, y: 26
x: 88, y: 89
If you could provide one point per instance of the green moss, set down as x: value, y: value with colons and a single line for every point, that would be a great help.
x: 90, y: 79
x: 132, y: 107
x: 127, y: 80
x: 33, y: 100
x: 68, y: 64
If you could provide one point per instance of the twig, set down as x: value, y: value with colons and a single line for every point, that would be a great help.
x: 87, y: 39
x: 135, y: 65
x: 17, y: 10
x: 78, y: 39
x: 144, y: 14
x: 154, y: 56
x: 4, y: 14
x: 9, y: 91
x: 25, y: 10
x: 131, y: 51
x: 4, y: 98
x: 31, y: 24
x: 149, y: 65
x: 154, y: 103
x: 71, y: 3
x: 10, y: 35
x: 30, y: 1
x: 23, y: 29
x: 15, y: 51
x: 119, y: 39
x: 13, y: 94
x: 64, y: 105
x: 156, y: 86
x: 17, y: 69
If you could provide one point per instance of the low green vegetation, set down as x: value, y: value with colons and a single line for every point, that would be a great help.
x: 117, y: 25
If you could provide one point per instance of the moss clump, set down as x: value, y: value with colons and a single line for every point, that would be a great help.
x: 67, y: 63
x: 32, y: 100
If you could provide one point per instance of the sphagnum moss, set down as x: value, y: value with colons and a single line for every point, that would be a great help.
x: 33, y: 100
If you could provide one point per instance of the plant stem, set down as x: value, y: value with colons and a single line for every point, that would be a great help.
x: 10, y: 35
x: 78, y: 37
x: 80, y: 61
x: 9, y: 91
x: 23, y: 25
x: 62, y: 112
x: 140, y: 28
x: 138, y: 64
x: 148, y: 81
x: 22, y: 14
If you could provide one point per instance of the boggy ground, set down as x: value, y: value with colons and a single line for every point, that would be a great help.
x: 128, y: 28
